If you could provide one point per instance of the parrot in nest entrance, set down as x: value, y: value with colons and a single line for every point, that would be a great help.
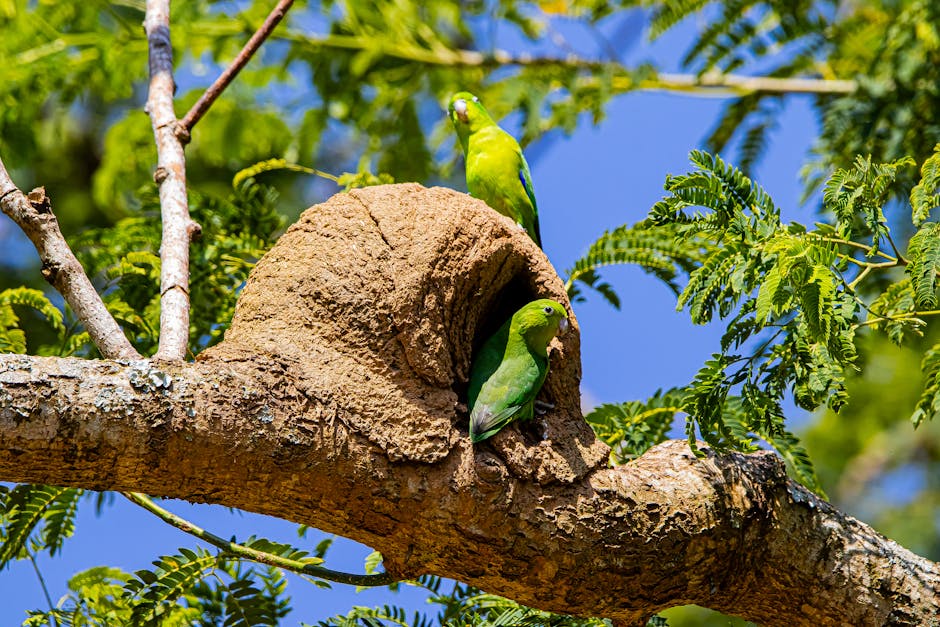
x: 497, y: 173
x: 510, y: 368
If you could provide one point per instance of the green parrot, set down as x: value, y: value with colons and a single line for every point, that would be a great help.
x: 510, y: 368
x: 497, y: 173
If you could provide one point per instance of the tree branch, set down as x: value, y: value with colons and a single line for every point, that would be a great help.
x: 333, y: 401
x: 718, y: 84
x: 621, y: 79
x: 240, y: 551
x: 215, y: 90
x: 61, y: 269
x: 726, y: 532
x: 178, y: 228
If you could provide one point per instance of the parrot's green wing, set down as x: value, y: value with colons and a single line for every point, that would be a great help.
x: 525, y: 176
x: 507, y: 395
x: 510, y: 368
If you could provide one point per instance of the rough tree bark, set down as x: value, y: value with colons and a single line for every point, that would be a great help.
x: 335, y: 400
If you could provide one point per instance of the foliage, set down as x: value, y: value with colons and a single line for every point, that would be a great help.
x: 926, y: 194
x: 12, y: 331
x: 460, y: 605
x: 881, y: 470
x: 891, y: 50
x: 35, y: 518
x: 631, y: 428
x: 235, y: 232
x: 358, y: 85
x: 662, y: 256
x: 192, y: 587
x: 792, y: 300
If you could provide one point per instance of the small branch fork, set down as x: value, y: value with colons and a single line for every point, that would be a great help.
x: 170, y: 135
x: 34, y: 215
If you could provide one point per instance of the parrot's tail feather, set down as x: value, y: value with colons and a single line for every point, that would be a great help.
x: 484, y: 423
x: 481, y: 427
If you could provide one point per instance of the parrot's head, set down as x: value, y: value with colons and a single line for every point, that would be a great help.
x: 467, y: 114
x: 540, y: 321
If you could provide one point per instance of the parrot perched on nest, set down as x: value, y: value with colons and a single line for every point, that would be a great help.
x: 497, y: 173
x: 511, y: 366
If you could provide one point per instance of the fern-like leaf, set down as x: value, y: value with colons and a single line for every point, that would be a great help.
x: 633, y: 427
x: 897, y: 298
x: 154, y: 592
x: 925, y: 196
x: 924, y: 257
x: 929, y: 402
x: 12, y: 336
x: 654, y: 249
x: 41, y: 511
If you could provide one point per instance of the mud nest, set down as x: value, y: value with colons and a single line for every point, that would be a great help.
x: 374, y: 302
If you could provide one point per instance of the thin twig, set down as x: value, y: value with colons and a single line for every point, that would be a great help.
x: 60, y: 267
x: 861, y: 276
x: 853, y: 244
x: 749, y: 84
x: 243, y: 552
x: 620, y: 80
x: 910, y: 315
x: 901, y: 260
x: 215, y: 90
x: 45, y: 590
x: 178, y: 228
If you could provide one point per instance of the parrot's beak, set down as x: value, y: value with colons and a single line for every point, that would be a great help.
x: 460, y: 108
x: 562, y: 325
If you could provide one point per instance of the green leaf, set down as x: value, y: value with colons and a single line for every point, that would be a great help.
x: 924, y: 263
x: 373, y: 561
x: 633, y: 427
x: 46, y: 513
x: 929, y: 403
x: 925, y: 196
x: 12, y: 335
x: 154, y: 593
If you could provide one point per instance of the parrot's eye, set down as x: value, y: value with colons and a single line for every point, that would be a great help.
x: 548, y: 310
x: 475, y: 99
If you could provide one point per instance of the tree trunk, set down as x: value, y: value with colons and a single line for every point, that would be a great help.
x: 336, y: 401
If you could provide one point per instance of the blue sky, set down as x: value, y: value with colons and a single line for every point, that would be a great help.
x: 597, y: 179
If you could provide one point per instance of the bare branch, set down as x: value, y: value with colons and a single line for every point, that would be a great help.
x: 621, y: 79
x: 215, y: 90
x: 178, y: 228
x: 34, y: 215
x: 715, y: 84
x: 243, y: 552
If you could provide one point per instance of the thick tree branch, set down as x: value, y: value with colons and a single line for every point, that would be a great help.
x: 178, y: 228
x: 731, y: 533
x: 34, y: 215
x: 334, y: 401
x: 215, y: 90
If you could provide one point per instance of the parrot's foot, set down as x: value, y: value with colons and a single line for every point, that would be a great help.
x: 542, y: 407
